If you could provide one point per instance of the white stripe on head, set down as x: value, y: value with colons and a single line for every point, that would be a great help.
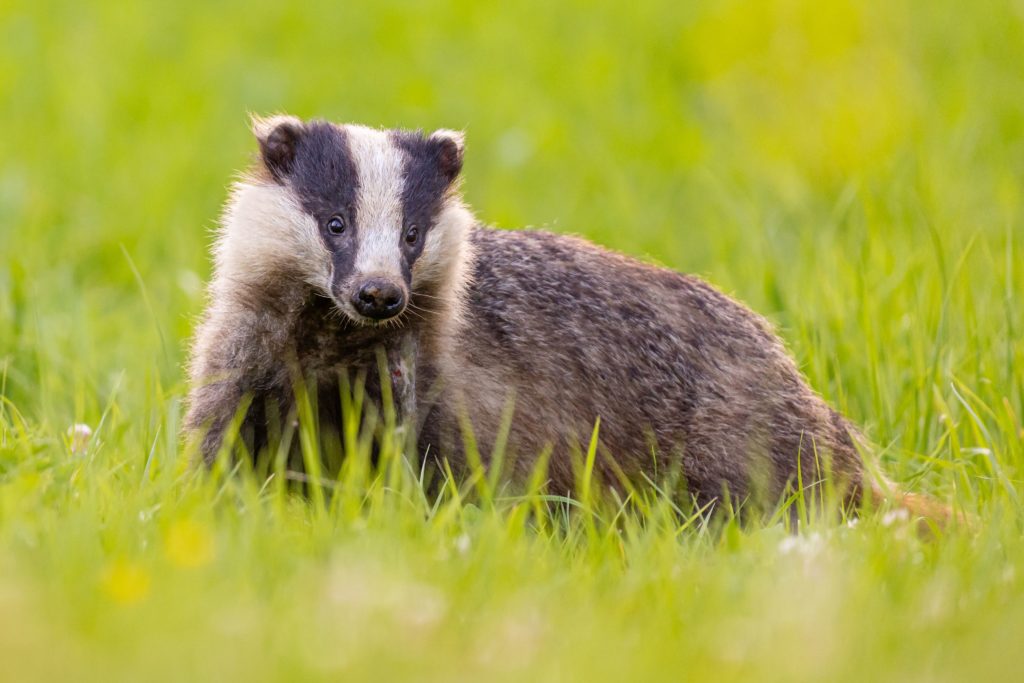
x: 380, y: 168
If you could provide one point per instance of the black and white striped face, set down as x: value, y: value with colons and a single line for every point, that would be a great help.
x: 373, y: 216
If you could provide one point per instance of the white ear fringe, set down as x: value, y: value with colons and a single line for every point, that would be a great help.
x: 262, y: 126
x: 456, y: 136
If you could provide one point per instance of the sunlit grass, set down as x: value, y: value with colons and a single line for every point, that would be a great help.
x: 851, y: 170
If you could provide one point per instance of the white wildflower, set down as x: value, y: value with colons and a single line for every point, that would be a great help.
x: 801, y: 545
x: 79, y: 436
x: 894, y: 516
x: 462, y: 544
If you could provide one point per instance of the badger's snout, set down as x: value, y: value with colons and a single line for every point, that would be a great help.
x: 379, y: 299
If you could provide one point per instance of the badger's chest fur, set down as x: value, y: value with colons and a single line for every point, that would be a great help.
x: 345, y: 245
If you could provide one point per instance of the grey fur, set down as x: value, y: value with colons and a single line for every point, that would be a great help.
x: 680, y: 375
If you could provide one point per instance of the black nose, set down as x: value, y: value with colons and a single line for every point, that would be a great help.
x: 379, y: 299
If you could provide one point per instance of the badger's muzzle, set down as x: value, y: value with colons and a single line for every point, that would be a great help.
x: 379, y: 299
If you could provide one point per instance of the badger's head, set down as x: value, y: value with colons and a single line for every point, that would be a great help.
x: 368, y: 218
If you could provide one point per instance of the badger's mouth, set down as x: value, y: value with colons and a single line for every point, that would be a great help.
x: 348, y: 312
x: 385, y: 323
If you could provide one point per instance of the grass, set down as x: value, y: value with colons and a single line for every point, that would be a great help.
x: 851, y: 169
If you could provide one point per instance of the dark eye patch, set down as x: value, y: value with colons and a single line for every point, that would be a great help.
x: 427, y: 178
x: 324, y: 175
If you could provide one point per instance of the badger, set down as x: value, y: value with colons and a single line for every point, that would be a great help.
x: 346, y: 244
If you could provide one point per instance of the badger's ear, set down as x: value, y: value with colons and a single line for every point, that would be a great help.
x: 450, y: 145
x: 278, y: 137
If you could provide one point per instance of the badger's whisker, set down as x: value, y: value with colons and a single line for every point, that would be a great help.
x: 414, y: 307
x: 431, y: 296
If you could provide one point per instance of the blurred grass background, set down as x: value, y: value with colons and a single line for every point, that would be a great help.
x: 850, y: 169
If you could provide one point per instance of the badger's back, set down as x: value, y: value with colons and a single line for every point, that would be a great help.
x: 673, y: 368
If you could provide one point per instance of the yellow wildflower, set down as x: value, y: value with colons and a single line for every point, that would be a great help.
x: 188, y: 544
x: 126, y: 582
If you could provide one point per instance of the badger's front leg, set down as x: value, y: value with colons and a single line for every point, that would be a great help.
x: 211, y: 409
x: 237, y: 367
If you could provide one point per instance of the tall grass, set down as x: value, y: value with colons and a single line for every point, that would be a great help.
x: 852, y: 170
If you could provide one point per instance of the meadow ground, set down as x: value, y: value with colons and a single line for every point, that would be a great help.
x: 853, y: 170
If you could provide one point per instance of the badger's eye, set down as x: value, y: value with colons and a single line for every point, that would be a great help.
x: 336, y: 225
x: 412, y: 235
